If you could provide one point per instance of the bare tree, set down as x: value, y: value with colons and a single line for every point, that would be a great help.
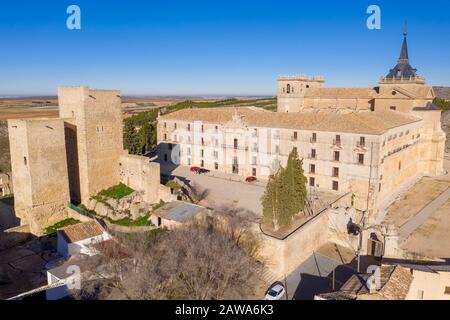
x: 199, y: 261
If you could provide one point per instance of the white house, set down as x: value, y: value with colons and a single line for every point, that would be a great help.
x: 80, y: 238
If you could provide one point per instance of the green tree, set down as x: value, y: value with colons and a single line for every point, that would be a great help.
x: 130, y: 138
x: 285, y: 193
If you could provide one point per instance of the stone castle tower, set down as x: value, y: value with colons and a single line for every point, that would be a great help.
x: 71, y: 158
x: 94, y: 140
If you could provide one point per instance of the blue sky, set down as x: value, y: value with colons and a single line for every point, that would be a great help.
x: 160, y: 47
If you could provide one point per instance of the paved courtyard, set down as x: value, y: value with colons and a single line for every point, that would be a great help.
x: 224, y: 190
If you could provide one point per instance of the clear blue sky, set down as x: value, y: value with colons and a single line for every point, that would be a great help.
x: 160, y: 47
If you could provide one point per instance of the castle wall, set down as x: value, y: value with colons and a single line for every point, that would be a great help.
x: 139, y: 173
x: 97, y: 115
x: 39, y: 171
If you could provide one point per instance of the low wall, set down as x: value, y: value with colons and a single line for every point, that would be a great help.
x: 283, y: 256
x: 75, y: 215
x: 126, y: 229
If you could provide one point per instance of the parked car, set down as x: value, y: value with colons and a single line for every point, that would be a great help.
x: 203, y: 170
x: 195, y: 169
x: 276, y: 292
x: 250, y: 179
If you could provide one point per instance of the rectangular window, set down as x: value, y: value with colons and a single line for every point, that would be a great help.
x: 216, y: 128
x: 202, y: 152
x: 25, y: 160
x: 216, y: 155
x: 335, y: 172
x: 312, y: 168
x: 203, y: 142
x: 314, y: 137
x: 235, y: 143
x: 312, y: 181
x: 335, y: 186
x: 175, y: 125
x: 360, y: 158
x: 165, y: 125
x: 277, y: 149
x: 165, y: 136
x: 336, y: 156
x: 216, y: 166
x: 165, y: 157
x: 203, y: 128
x: 337, y: 141
x: 189, y: 127
x: 295, y: 137
x: 254, y: 172
x: 393, y: 107
x: 189, y: 151
x: 313, y: 153
x: 253, y: 160
x: 362, y: 142
x: 447, y: 290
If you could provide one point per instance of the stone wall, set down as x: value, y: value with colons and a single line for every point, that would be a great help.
x: 140, y: 174
x: 39, y: 168
x: 283, y: 256
x: 97, y: 115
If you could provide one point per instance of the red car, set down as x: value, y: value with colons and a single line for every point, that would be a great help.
x: 250, y: 179
x: 195, y: 169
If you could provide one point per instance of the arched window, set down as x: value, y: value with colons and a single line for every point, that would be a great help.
x: 288, y: 88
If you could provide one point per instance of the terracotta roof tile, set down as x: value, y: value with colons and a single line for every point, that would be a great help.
x: 81, y: 231
x: 367, y: 122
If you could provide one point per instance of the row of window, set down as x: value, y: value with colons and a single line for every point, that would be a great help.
x: 334, y: 184
x: 291, y: 89
x: 334, y: 171
x: 312, y: 155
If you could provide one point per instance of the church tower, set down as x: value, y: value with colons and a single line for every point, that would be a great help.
x: 402, y: 89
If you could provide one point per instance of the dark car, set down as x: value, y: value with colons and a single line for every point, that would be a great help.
x: 250, y: 179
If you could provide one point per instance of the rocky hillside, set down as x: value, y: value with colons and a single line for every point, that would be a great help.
x: 5, y: 165
x: 445, y: 120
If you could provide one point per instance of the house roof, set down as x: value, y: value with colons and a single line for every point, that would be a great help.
x: 341, y: 93
x: 81, y: 231
x: 178, y: 211
x: 395, y: 283
x: 363, y: 121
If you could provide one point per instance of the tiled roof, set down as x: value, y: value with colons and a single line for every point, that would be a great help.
x: 334, y: 93
x: 395, y: 283
x: 366, y: 122
x: 81, y: 231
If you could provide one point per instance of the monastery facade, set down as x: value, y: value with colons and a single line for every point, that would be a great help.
x: 367, y: 141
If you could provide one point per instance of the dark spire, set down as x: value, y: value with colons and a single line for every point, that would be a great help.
x: 403, y: 69
x: 404, y: 52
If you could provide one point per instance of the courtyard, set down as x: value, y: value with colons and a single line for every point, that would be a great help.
x: 222, y: 190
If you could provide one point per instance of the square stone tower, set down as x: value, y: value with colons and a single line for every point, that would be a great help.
x: 94, y: 140
x: 38, y: 160
x: 291, y: 91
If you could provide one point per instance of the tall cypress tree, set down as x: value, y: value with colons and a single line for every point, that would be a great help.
x: 285, y: 193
